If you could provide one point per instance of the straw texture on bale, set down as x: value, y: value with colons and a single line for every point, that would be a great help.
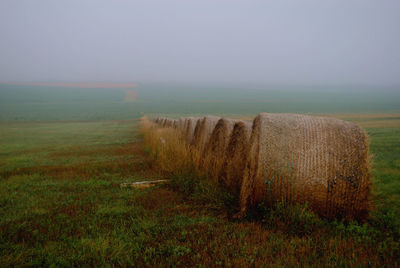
x: 202, y: 132
x: 236, y: 156
x: 167, y: 122
x: 189, y: 128
x: 299, y: 158
x: 214, y: 151
x: 174, y: 123
x: 181, y: 124
x: 196, y: 131
x: 164, y: 122
x: 161, y: 122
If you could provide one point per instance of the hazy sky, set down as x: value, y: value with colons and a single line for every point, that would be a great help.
x: 284, y: 42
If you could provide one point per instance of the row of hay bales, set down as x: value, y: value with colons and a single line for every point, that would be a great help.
x: 287, y: 158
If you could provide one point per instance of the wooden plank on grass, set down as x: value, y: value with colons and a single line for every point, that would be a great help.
x: 142, y: 184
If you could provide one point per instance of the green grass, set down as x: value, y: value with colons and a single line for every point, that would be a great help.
x: 61, y: 205
x: 385, y: 146
x: 35, y: 144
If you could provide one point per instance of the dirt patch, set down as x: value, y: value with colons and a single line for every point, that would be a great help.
x: 131, y: 95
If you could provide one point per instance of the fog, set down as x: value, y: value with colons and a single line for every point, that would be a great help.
x: 295, y: 42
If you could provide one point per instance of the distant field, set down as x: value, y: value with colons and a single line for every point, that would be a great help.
x: 38, y: 103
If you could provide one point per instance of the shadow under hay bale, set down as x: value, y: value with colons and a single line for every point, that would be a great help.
x: 231, y: 174
x: 298, y: 159
x: 214, y: 152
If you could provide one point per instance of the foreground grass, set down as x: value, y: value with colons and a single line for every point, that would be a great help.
x: 61, y: 204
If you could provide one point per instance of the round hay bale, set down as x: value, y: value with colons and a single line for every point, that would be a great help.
x: 167, y: 122
x: 181, y: 124
x: 189, y: 128
x: 202, y: 132
x: 174, y: 123
x: 196, y: 131
x: 214, y: 152
x: 236, y: 156
x: 299, y: 158
x: 162, y: 121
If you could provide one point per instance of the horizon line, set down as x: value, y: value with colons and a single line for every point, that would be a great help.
x: 75, y: 85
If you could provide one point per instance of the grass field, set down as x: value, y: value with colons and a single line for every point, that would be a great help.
x: 64, y: 153
x: 61, y: 204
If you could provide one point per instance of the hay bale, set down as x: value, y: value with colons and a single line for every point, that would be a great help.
x: 214, y: 152
x: 196, y: 130
x: 162, y: 121
x: 202, y: 132
x: 181, y: 124
x: 174, y: 123
x: 167, y: 123
x: 298, y: 158
x: 236, y: 156
x: 189, y: 128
